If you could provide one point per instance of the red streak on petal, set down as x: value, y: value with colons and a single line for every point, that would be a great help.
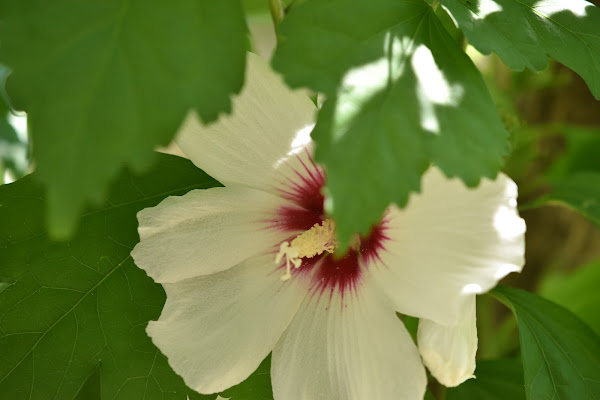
x: 297, y: 219
x: 306, y: 191
x: 345, y: 274
x: 372, y: 245
x: 342, y: 274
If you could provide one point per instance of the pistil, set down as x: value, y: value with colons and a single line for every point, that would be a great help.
x: 313, y: 242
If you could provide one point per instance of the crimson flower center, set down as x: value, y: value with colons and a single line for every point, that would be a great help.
x: 320, y: 238
x: 312, y: 235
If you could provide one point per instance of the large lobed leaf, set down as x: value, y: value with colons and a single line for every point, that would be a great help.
x: 408, y: 96
x: 561, y: 355
x: 524, y: 33
x: 500, y: 379
x: 73, y: 315
x: 104, y: 82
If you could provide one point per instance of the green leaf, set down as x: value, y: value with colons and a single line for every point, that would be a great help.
x: 13, y: 150
x: 524, y: 33
x: 105, y: 82
x: 408, y: 96
x: 577, y: 292
x: 575, y: 175
x: 581, y: 153
x: 412, y: 325
x: 74, y: 308
x: 4, y: 286
x: 561, y: 355
x: 261, y: 6
x: 579, y: 191
x: 495, y: 380
x: 429, y: 395
x: 256, y: 387
x: 448, y: 23
x: 91, y: 389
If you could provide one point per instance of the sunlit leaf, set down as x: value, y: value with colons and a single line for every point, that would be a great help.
x: 104, y: 82
x: 448, y: 23
x: 524, y: 33
x: 13, y: 148
x: 408, y: 96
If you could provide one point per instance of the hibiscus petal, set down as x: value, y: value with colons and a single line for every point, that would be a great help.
x: 354, y: 349
x: 449, y: 243
x: 449, y: 352
x: 204, y: 231
x: 216, y: 329
x: 269, y: 122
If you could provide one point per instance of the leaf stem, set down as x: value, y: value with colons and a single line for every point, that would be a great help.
x: 277, y: 13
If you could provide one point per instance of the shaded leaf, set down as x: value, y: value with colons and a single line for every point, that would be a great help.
x: 256, y: 387
x: 91, y: 389
x: 79, y: 307
x: 561, y: 355
x: 494, y: 380
x: 412, y: 325
x: 105, y: 82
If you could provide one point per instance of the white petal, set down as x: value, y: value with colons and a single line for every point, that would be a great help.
x: 448, y: 243
x: 204, y: 231
x: 268, y: 123
x: 352, y: 350
x: 216, y: 329
x: 449, y: 352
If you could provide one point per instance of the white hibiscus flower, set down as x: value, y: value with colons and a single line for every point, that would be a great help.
x: 330, y: 323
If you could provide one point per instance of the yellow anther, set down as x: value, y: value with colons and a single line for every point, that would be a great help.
x: 315, y: 241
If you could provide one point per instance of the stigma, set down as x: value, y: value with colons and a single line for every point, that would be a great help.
x: 313, y: 242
